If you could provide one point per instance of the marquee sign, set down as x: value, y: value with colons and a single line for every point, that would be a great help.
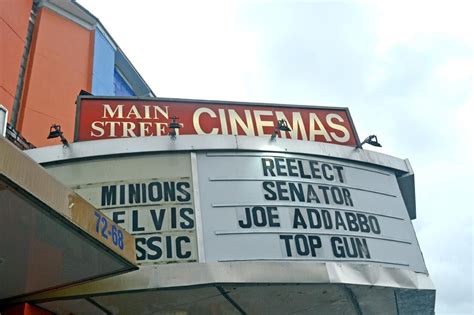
x: 297, y: 208
x: 154, y: 202
x: 233, y: 205
x: 105, y: 118
x: 239, y: 214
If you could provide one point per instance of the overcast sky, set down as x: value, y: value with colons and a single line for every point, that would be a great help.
x: 404, y: 69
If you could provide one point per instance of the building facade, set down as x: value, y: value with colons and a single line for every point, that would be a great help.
x: 51, y: 50
x: 227, y: 207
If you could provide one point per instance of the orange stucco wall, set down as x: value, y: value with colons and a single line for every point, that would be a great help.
x: 60, y: 65
x: 14, y: 16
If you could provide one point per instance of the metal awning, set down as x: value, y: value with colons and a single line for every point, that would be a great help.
x: 50, y: 236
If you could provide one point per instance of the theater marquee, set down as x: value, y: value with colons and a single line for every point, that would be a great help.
x: 236, y: 205
x: 236, y: 215
x: 105, y: 118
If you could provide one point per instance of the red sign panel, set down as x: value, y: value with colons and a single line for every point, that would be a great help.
x: 105, y: 118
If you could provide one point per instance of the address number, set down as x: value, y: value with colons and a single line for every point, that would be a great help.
x: 106, y: 230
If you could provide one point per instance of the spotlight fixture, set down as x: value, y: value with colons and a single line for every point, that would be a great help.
x: 173, y: 125
x: 55, y: 132
x: 372, y: 140
x: 281, y: 126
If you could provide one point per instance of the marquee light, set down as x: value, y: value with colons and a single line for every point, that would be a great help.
x: 55, y: 132
x: 174, y: 124
x: 372, y: 140
x: 282, y: 126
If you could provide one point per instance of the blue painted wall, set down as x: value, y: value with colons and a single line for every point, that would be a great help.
x: 103, y: 67
x: 121, y: 88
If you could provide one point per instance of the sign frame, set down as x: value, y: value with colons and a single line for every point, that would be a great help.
x: 211, y: 102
